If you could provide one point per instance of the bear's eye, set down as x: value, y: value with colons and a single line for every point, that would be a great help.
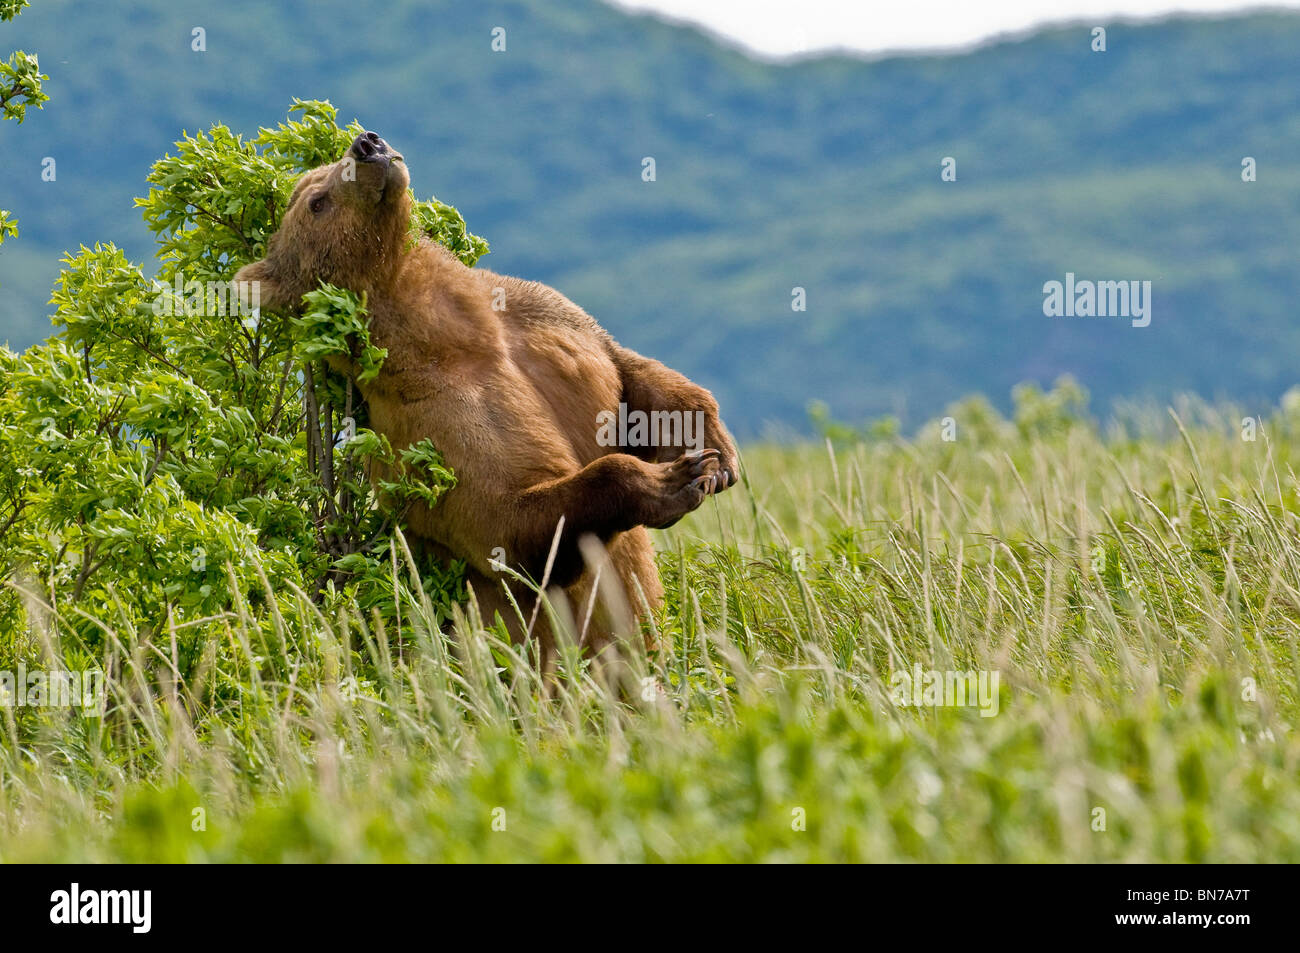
x: 317, y: 204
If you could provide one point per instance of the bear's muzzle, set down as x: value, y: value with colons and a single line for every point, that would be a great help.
x: 368, y: 147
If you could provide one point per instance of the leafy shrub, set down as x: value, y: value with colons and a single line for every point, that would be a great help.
x: 1039, y: 414
x: 172, y: 453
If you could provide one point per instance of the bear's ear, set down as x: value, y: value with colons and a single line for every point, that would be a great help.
x: 270, y: 294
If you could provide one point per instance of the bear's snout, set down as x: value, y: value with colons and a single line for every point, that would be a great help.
x: 368, y: 147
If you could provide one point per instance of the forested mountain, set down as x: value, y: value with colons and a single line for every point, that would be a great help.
x: 822, y: 174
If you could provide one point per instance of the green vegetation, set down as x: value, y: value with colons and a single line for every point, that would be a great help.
x: 1140, y: 599
x: 184, y: 510
x: 20, y: 75
x: 171, y: 450
x: 823, y: 174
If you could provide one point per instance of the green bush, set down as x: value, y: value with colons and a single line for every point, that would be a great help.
x: 172, y: 451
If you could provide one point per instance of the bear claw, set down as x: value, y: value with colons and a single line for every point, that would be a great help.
x: 686, y: 482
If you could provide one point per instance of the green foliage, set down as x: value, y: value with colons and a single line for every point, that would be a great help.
x: 819, y: 415
x: 838, y: 432
x: 1143, y: 631
x: 219, y: 198
x: 20, y: 85
x: 20, y: 76
x: 444, y: 225
x: 333, y: 324
x: 174, y: 452
x: 1039, y: 414
x: 424, y: 475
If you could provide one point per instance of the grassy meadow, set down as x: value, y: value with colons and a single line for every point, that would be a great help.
x: 1134, y: 587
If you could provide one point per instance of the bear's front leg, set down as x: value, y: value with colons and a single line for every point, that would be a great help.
x: 651, y: 388
x: 608, y: 496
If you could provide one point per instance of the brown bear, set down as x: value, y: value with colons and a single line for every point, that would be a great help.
x: 517, y: 387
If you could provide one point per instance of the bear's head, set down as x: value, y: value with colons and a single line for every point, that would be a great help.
x: 346, y: 224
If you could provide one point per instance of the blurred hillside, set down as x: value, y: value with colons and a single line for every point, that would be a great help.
x: 822, y: 174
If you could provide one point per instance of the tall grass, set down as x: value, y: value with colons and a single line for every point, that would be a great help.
x: 1137, y: 594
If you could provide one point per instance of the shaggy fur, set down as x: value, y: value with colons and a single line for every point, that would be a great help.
x: 510, y: 397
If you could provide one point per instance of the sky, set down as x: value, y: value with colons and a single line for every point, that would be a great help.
x: 781, y: 28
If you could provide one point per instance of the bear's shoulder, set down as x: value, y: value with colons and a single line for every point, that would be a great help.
x: 534, y: 304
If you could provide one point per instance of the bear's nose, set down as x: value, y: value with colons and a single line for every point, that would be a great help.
x: 368, y: 147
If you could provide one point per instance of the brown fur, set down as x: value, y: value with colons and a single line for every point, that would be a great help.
x: 509, y: 397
